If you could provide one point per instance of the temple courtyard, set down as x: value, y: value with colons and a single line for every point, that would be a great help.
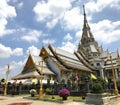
x: 21, y: 100
x: 90, y: 72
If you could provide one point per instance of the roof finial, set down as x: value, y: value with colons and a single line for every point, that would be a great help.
x: 107, y: 50
x: 84, y: 10
x: 117, y: 52
x: 42, y: 44
x: 29, y: 52
x: 85, y: 19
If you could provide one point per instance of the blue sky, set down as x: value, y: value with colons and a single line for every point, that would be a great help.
x: 27, y: 24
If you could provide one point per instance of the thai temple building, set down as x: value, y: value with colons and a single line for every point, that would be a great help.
x: 89, y: 58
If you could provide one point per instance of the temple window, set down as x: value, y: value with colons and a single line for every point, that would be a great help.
x: 98, y: 64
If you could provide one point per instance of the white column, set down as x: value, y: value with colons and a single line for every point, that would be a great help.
x: 116, y: 74
x: 102, y: 73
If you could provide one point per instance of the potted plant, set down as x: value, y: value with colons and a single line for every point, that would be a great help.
x: 33, y: 92
x: 64, y: 93
x: 97, y: 95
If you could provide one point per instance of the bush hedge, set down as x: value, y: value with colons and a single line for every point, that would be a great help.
x: 97, y: 88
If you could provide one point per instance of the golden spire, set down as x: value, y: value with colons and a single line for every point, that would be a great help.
x: 87, y: 36
x: 117, y: 53
x: 85, y: 20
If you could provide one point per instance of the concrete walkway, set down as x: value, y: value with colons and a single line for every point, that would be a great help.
x: 5, y: 100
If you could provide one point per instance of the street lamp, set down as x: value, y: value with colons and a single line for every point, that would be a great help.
x: 114, y: 77
x: 7, y: 72
x: 41, y: 85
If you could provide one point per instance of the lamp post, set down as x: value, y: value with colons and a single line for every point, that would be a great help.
x: 7, y: 72
x: 114, y: 77
x: 41, y: 85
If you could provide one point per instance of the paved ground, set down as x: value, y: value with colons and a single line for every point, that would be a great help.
x: 4, y: 100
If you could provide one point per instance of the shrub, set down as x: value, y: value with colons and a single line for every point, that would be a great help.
x: 64, y: 92
x: 62, y: 81
x: 48, y: 90
x: 33, y: 92
x: 97, y: 88
x: 118, y: 85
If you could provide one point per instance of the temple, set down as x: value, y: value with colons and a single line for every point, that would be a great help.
x: 88, y: 59
x: 95, y: 56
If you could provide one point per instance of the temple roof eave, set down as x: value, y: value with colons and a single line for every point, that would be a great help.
x: 31, y: 74
x: 68, y: 64
x: 85, y: 62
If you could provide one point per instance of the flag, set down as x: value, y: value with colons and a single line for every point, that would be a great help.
x: 77, y: 78
x: 34, y: 80
x: 92, y: 76
x: 106, y: 80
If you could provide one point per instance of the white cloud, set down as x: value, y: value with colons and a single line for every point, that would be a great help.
x: 20, y: 5
x: 72, y: 19
x: 78, y: 34
x: 15, y: 68
x: 48, y: 41
x: 3, y: 30
x: 106, y: 31
x: 68, y: 46
x: 68, y: 37
x: 116, y: 4
x: 18, y: 52
x: 52, y: 23
x: 51, y: 11
x: 2, y: 70
x: 14, y: 65
x: 99, y: 5
x: 33, y: 50
x: 3, y: 23
x: 6, y: 11
x: 6, y: 52
x: 31, y: 35
x: 42, y: 11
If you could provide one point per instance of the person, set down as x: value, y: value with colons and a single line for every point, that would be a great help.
x: 13, y: 88
x: 20, y: 87
x: 1, y: 89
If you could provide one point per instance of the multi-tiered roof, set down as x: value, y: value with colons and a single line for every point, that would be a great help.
x: 55, y: 60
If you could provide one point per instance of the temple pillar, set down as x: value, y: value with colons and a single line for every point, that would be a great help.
x: 102, y: 73
x: 116, y: 74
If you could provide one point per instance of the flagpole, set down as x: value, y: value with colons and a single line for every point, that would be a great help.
x: 114, y: 77
x: 7, y: 72
x: 41, y: 85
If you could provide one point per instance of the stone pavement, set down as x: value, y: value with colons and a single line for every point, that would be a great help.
x: 17, y: 100
x: 5, y: 100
